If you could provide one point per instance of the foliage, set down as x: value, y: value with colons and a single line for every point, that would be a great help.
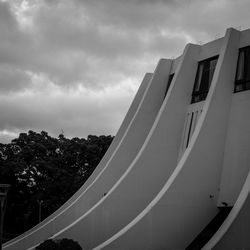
x: 68, y: 244
x: 64, y: 244
x: 42, y: 168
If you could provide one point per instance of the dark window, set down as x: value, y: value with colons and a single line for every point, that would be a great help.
x: 170, y: 78
x: 242, y: 78
x: 189, y: 130
x: 203, y: 79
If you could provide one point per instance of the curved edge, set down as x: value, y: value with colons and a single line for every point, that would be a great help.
x: 190, y: 73
x: 233, y: 215
x: 115, y: 143
x: 160, y: 75
x: 148, y: 108
x: 174, y: 185
x: 145, y: 107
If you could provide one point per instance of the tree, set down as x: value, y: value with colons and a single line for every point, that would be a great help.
x: 40, y: 167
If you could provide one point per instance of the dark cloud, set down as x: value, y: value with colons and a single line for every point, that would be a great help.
x: 12, y: 79
x: 70, y: 50
x: 65, y: 48
x: 6, y: 16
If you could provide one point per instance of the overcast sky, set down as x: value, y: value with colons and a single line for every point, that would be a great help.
x: 75, y: 65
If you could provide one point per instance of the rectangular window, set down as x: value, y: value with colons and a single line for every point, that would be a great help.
x: 242, y: 77
x: 203, y: 79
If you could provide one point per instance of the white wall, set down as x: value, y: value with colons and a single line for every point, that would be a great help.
x: 211, y: 49
x: 237, y: 236
x: 153, y: 201
x: 72, y: 208
x: 184, y: 206
x: 234, y: 231
x: 237, y: 156
x: 159, y: 156
x: 148, y: 172
x: 127, y: 149
x: 237, y: 150
x: 245, y: 38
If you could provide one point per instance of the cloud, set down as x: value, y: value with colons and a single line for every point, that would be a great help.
x: 78, y: 112
x: 75, y: 65
x: 13, y: 79
x: 6, y: 136
x: 67, y: 49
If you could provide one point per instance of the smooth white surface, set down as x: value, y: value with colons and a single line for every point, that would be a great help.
x: 110, y: 213
x: 68, y: 212
x: 234, y: 232
x: 154, y: 199
x: 236, y: 163
x: 183, y: 207
x: 123, y: 155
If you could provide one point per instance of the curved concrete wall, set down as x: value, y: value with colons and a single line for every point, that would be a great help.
x: 142, y: 196
x: 122, y: 156
x: 148, y: 172
x: 236, y: 154
x: 46, y: 225
x: 234, y: 232
x: 188, y: 200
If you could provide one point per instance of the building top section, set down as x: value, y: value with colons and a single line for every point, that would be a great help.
x: 212, y: 48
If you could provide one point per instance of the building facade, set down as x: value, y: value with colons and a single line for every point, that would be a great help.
x: 177, y: 173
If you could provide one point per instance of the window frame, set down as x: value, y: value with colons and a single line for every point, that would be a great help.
x: 242, y: 84
x: 198, y: 96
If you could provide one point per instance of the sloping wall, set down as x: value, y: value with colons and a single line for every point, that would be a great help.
x: 237, y: 157
x: 234, y: 232
x: 184, y: 205
x: 75, y: 206
x: 149, y: 171
x: 153, y: 190
x: 46, y: 222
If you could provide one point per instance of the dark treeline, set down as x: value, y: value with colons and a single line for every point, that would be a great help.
x: 42, y: 168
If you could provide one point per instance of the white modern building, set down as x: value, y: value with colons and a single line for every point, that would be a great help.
x: 177, y: 173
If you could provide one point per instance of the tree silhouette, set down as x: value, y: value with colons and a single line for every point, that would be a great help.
x: 40, y: 167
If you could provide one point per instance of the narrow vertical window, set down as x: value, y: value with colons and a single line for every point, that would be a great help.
x: 203, y: 79
x: 242, y: 77
x: 240, y: 68
x: 170, y: 78
x: 189, y: 130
